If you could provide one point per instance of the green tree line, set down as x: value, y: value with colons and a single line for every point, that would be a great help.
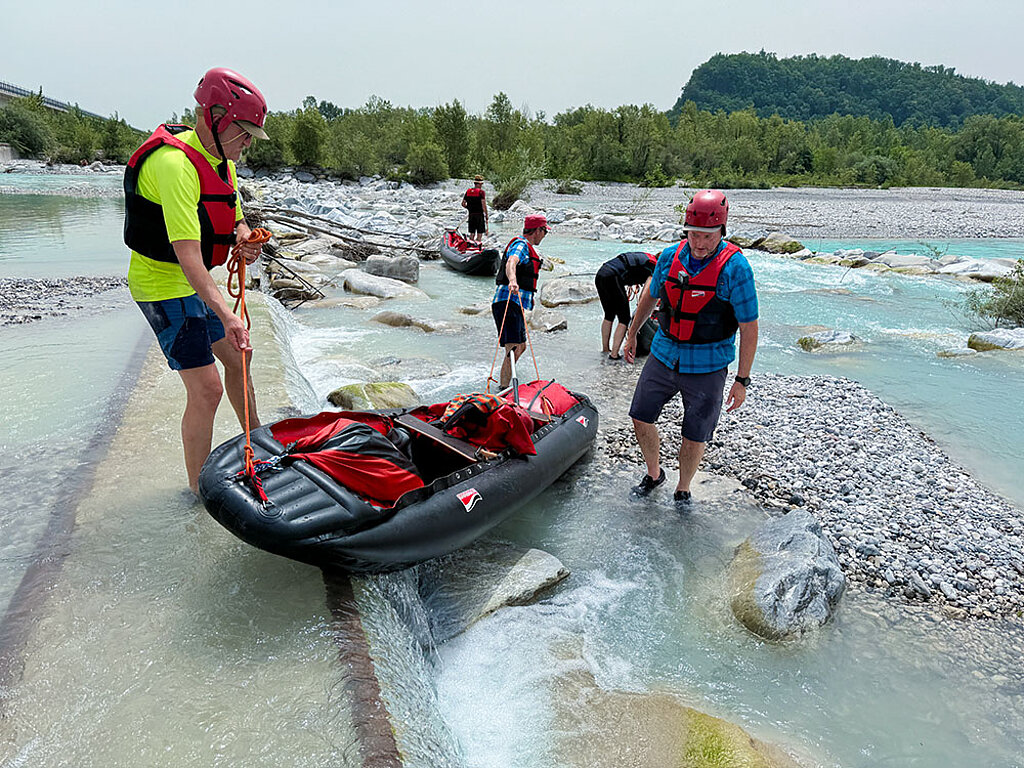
x: 812, y: 87
x: 65, y: 137
x: 512, y: 146
x: 640, y: 144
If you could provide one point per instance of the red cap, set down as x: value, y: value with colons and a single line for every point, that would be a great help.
x: 536, y: 221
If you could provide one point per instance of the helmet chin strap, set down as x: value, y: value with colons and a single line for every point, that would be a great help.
x: 222, y: 166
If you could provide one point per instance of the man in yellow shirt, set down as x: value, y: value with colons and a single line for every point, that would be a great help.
x: 182, y: 215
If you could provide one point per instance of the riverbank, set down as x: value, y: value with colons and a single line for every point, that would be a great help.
x: 905, y: 520
x: 24, y: 300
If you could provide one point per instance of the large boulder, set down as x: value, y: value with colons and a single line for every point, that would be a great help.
x: 357, y: 281
x: 373, y: 395
x: 826, y: 340
x: 405, y: 268
x: 985, y: 270
x: 1000, y: 338
x: 567, y: 290
x: 785, y: 578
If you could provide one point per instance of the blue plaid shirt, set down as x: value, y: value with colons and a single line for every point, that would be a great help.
x: 735, y: 285
x: 519, y: 250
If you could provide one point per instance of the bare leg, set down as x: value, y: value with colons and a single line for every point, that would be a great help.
x: 506, y: 365
x: 650, y: 446
x: 606, y: 334
x: 620, y: 334
x: 231, y: 358
x: 203, y: 389
x: 690, y: 454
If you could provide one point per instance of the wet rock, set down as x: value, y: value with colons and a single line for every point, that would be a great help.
x: 402, y: 320
x: 355, y: 302
x: 785, y: 578
x: 826, y: 340
x: 464, y: 587
x: 907, y: 263
x: 956, y: 352
x: 546, y: 321
x: 985, y: 270
x: 357, y: 281
x: 776, y: 242
x: 1000, y: 338
x: 373, y: 395
x: 475, y: 309
x: 404, y: 268
x: 567, y: 290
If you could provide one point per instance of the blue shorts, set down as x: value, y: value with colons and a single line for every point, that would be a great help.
x: 186, y: 329
x: 511, y: 325
x: 702, y: 397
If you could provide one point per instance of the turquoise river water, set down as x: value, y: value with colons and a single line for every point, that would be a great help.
x: 166, y: 642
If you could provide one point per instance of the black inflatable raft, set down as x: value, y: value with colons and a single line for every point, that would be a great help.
x: 412, y: 490
x: 468, y: 257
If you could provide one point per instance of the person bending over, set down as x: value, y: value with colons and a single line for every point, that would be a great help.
x: 612, y: 280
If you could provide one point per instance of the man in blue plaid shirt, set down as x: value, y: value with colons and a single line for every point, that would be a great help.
x: 704, y: 289
x: 517, y: 284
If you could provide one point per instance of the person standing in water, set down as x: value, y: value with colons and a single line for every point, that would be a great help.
x: 475, y: 201
x: 517, y: 284
x: 182, y: 216
x: 612, y: 279
x: 704, y: 288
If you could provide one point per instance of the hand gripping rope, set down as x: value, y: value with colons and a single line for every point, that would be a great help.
x: 529, y: 341
x: 236, y: 289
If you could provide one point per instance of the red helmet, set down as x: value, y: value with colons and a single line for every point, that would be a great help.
x: 708, y: 211
x: 242, y: 100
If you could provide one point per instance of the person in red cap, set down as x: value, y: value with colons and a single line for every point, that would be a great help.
x: 704, y: 289
x: 517, y: 284
x: 182, y: 216
x: 475, y: 201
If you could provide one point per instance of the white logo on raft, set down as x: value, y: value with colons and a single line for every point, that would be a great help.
x: 469, y: 499
x: 583, y: 420
x: 697, y: 293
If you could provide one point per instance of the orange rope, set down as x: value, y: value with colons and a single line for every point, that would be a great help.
x: 236, y: 271
x: 526, y: 325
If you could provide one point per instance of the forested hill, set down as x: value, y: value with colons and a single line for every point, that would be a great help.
x: 810, y: 87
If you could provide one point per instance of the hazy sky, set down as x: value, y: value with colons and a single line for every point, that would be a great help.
x: 550, y: 56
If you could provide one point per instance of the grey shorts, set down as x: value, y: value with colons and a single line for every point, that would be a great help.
x: 702, y: 397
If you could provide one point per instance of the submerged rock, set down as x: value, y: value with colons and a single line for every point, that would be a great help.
x: 785, y: 578
x: 372, y: 395
x: 1000, y: 338
x: 400, y: 368
x: 599, y: 728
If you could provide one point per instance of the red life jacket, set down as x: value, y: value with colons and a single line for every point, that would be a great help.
x: 474, y: 200
x: 526, y: 274
x: 689, y: 310
x: 144, y: 229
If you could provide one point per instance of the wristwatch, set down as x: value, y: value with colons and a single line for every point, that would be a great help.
x: 744, y: 380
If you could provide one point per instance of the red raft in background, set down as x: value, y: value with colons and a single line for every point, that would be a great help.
x: 468, y: 257
x: 379, y: 491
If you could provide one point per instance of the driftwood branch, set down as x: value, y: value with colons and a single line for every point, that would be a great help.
x: 331, y: 228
